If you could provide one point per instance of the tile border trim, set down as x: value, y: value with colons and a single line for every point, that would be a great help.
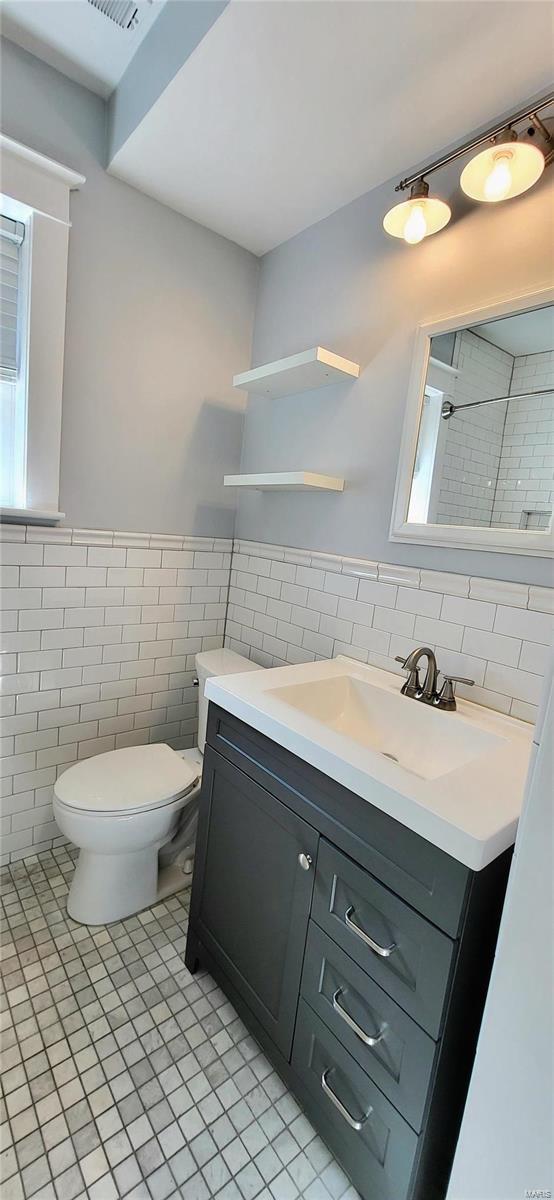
x: 474, y: 587
x: 110, y: 537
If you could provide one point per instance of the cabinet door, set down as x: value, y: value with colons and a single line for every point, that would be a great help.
x: 251, y: 896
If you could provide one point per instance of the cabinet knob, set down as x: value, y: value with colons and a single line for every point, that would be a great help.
x: 305, y: 861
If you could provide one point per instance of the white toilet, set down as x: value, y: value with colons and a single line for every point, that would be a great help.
x: 120, y: 808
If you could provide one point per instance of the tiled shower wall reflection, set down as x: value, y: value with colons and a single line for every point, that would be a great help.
x: 98, y: 636
x: 526, y: 471
x: 494, y: 465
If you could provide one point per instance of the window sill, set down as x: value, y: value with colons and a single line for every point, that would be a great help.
x: 30, y: 516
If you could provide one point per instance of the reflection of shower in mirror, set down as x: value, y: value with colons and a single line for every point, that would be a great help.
x: 490, y: 461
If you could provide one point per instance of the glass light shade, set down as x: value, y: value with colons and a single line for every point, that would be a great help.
x: 502, y: 171
x: 417, y: 218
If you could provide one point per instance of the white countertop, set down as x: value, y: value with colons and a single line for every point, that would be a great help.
x: 470, y: 811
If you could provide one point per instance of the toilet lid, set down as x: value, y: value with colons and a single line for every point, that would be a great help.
x: 126, y: 780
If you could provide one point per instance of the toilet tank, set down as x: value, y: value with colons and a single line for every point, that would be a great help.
x: 208, y: 664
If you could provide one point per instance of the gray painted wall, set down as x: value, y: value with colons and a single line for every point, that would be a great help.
x: 344, y: 284
x: 159, y: 317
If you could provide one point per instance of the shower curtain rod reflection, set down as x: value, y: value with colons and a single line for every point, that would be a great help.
x: 448, y: 409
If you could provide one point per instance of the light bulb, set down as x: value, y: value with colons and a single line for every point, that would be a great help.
x: 506, y: 169
x: 417, y: 217
x: 499, y: 181
x: 416, y: 226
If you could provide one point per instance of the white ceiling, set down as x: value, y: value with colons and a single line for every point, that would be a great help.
x: 287, y: 111
x: 524, y: 333
x: 76, y: 39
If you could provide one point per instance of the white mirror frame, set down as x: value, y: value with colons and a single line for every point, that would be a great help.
x: 506, y: 541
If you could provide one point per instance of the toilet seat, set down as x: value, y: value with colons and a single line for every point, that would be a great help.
x: 122, y: 782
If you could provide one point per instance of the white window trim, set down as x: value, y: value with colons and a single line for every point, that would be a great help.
x: 36, y: 189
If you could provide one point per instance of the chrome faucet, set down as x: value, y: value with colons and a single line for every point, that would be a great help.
x: 428, y: 693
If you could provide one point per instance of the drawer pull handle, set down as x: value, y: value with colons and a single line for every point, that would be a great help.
x: 382, y: 951
x: 357, y: 1125
x: 368, y: 1039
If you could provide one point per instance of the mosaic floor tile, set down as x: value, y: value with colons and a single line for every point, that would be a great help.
x: 124, y: 1075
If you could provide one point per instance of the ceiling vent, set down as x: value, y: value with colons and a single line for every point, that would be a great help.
x: 122, y: 12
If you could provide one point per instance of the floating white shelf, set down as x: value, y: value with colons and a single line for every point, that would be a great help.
x: 298, y: 373
x: 290, y: 481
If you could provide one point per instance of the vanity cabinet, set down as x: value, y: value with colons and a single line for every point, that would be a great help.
x: 255, y: 895
x: 357, y: 952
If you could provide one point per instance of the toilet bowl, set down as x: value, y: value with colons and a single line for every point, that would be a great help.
x: 121, y: 808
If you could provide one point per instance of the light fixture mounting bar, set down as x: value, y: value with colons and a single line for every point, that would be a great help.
x: 522, y: 115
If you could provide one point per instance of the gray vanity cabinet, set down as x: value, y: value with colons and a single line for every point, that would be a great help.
x: 356, y: 952
x: 256, y: 896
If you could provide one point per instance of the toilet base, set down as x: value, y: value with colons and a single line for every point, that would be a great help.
x: 130, y: 883
x: 110, y: 887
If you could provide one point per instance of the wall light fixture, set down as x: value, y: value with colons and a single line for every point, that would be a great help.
x: 417, y: 217
x: 506, y: 167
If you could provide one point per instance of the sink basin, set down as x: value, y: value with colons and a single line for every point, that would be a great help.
x: 422, y: 740
x: 455, y: 778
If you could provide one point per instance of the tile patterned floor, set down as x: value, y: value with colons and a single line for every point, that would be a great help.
x: 123, y: 1075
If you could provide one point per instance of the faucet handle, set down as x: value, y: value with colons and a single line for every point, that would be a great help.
x: 412, y: 686
x: 447, y: 695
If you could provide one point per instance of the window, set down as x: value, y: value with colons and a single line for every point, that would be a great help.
x: 13, y: 390
x: 34, y: 235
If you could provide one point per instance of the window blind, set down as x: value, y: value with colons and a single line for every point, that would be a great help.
x: 11, y: 240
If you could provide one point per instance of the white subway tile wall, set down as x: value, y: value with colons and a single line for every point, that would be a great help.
x: 98, y: 633
x: 319, y: 606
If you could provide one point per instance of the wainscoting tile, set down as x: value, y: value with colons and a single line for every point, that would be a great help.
x: 360, y: 567
x: 530, y: 626
x: 165, y: 541
x: 445, y: 581
x: 329, y: 562
x: 494, y: 646
x: 372, y: 613
x: 55, y: 535
x: 408, y: 576
x: 499, y: 591
x: 101, y: 648
x: 92, y: 537
x: 475, y: 613
x: 13, y: 533
x: 103, y: 638
x: 520, y: 685
x: 131, y: 539
x: 541, y: 599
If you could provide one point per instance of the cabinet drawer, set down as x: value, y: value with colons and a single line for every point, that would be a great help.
x: 379, y: 1144
x: 390, y: 1047
x: 402, y: 951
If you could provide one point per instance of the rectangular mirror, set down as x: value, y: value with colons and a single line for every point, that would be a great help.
x: 477, y: 459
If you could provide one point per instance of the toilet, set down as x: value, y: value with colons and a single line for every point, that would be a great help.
x: 129, y: 812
